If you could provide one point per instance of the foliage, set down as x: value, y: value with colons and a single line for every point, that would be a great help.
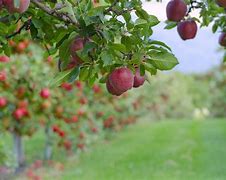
x: 217, y: 79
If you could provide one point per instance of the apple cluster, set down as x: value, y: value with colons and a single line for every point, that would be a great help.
x: 119, y: 80
x: 10, y: 5
x: 122, y: 79
x: 177, y: 10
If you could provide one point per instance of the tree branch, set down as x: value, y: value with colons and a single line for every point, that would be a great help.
x: 25, y: 26
x: 53, y: 12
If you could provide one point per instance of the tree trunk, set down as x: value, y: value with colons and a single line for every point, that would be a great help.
x: 19, y: 152
x: 48, y: 146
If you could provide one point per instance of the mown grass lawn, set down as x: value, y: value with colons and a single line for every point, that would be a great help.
x: 162, y: 151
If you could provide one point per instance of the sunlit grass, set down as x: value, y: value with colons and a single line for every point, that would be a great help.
x: 162, y: 150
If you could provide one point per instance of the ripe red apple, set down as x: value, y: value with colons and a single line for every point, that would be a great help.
x: 96, y: 89
x: 4, y: 59
x: 2, y: 76
x: 74, y: 119
x: 1, y: 4
x: 79, y: 85
x: 67, y: 145
x: 55, y: 128
x: 112, y: 90
x: 187, y: 29
x: 222, y: 39
x: 3, y: 102
x: 81, y: 146
x: 67, y: 86
x: 61, y: 133
x: 9, y: 4
x: 83, y: 100
x: 45, y: 93
x: 94, y: 129
x: 138, y: 79
x: 221, y: 3
x: 76, y: 45
x: 20, y: 113
x: 75, y: 61
x: 21, y: 46
x: 121, y: 80
x: 176, y: 10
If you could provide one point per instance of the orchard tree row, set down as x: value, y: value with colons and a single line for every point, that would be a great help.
x: 109, y: 40
x: 70, y: 116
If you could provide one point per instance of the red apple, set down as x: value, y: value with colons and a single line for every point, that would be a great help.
x: 67, y: 86
x: 1, y: 4
x: 96, y: 89
x: 21, y: 46
x: 20, y: 113
x: 76, y: 45
x: 94, y: 129
x: 75, y: 60
x: 23, y: 6
x: 4, y: 59
x: 187, y: 29
x: 176, y: 10
x: 61, y: 133
x: 67, y: 144
x: 79, y: 85
x: 121, y: 79
x: 112, y: 90
x: 3, y: 102
x: 221, y: 3
x: 81, y: 146
x: 83, y: 100
x: 74, y: 119
x: 45, y: 93
x: 2, y: 76
x: 138, y: 79
x: 222, y: 39
x: 55, y: 128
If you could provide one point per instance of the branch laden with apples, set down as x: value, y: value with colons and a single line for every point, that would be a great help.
x: 107, y: 41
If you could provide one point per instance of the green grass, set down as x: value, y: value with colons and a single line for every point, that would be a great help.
x: 160, y: 151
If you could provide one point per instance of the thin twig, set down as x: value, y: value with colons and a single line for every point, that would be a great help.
x: 25, y: 26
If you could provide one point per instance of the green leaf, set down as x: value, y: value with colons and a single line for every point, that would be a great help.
x: 140, y: 22
x: 153, y: 20
x: 64, y: 50
x: 59, y: 78
x: 160, y: 44
x: 84, y: 73
x: 106, y: 58
x: 118, y: 47
x: 88, y: 47
x: 74, y: 74
x: 150, y: 68
x: 162, y: 60
x: 142, y: 14
x: 127, y: 17
x: 142, y: 70
x: 170, y: 25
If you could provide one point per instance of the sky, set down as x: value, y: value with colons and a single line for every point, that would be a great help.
x: 195, y: 56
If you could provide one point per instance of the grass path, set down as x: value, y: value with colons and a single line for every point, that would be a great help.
x: 189, y: 150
